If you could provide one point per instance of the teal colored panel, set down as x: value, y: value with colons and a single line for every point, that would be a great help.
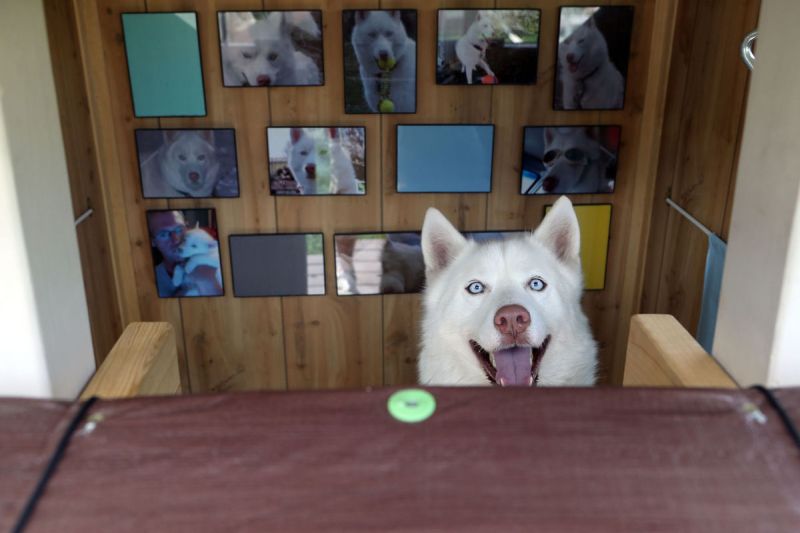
x: 164, y: 64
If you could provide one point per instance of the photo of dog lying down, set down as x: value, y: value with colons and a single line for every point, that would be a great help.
x: 505, y: 312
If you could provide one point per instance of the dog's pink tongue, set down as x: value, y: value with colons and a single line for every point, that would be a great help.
x: 513, y: 366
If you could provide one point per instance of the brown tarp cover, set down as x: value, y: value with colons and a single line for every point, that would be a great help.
x: 488, y: 460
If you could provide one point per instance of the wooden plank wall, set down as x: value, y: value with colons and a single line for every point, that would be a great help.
x: 699, y: 152
x: 326, y: 342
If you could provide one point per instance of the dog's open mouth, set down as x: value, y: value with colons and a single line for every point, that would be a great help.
x: 512, y: 366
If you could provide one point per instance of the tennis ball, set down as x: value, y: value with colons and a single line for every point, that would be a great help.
x: 386, y: 106
x: 386, y: 64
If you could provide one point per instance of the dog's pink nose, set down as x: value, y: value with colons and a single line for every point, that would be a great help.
x: 550, y: 183
x: 194, y: 176
x: 511, y: 320
x: 571, y: 58
x: 263, y: 80
x: 311, y: 170
x: 383, y: 55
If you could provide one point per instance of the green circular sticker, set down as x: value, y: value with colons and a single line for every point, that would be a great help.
x: 411, y: 405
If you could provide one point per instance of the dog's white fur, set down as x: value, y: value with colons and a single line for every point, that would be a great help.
x: 198, y: 249
x: 383, y: 32
x: 563, y: 176
x: 452, y: 316
x: 185, y: 165
x: 343, y: 175
x: 302, y: 159
x: 260, y: 51
x: 471, y: 47
x: 589, y: 79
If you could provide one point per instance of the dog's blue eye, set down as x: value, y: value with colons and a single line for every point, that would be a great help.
x: 373, y: 34
x: 537, y: 284
x: 273, y: 56
x: 476, y: 287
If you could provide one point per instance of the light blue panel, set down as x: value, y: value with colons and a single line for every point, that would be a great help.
x: 164, y: 64
x: 444, y: 158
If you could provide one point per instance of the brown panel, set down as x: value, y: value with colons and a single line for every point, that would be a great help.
x: 330, y: 341
x: 76, y: 127
x: 703, y: 125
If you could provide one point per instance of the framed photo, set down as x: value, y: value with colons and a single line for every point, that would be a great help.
x: 277, y: 264
x: 444, y: 157
x: 185, y: 246
x: 271, y: 48
x: 317, y: 161
x: 187, y: 163
x: 569, y: 159
x: 380, y: 61
x: 487, y: 46
x: 593, y: 51
x: 164, y: 66
x: 595, y: 224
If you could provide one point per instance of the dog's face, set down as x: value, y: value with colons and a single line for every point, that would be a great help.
x: 494, y: 309
x: 379, y: 36
x: 263, y: 53
x: 197, y: 242
x: 583, y: 50
x: 302, y: 154
x: 190, y: 164
x: 481, y: 27
x: 574, y: 161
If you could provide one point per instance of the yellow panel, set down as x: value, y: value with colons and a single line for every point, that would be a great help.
x: 595, y: 222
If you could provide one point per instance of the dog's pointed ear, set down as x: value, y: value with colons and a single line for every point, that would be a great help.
x: 560, y: 232
x: 361, y: 15
x: 333, y: 132
x: 591, y: 23
x: 295, y: 134
x: 549, y: 135
x: 441, y: 242
x: 397, y: 14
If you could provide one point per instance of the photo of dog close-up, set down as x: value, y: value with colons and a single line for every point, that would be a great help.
x: 570, y: 159
x: 175, y: 163
x: 505, y: 312
x: 593, y: 53
x: 271, y: 48
x: 317, y: 161
x: 489, y: 46
x: 185, y: 247
x: 380, y: 61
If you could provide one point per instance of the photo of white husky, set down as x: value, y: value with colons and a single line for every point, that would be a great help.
x: 322, y: 161
x: 271, y: 48
x: 176, y: 163
x: 570, y: 159
x: 505, y: 312
x: 380, y: 59
x: 198, y: 249
x: 590, y: 74
x: 487, y: 46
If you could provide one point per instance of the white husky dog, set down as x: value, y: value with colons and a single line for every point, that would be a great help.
x: 588, y: 77
x: 302, y: 159
x: 380, y: 39
x: 260, y: 51
x: 505, y: 312
x: 575, y: 162
x: 198, y: 249
x: 343, y: 175
x: 471, y: 48
x: 185, y: 165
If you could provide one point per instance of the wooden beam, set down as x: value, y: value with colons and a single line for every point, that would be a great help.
x: 661, y: 353
x: 144, y: 361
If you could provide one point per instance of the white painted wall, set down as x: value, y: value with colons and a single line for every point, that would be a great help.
x: 758, y: 327
x: 45, y: 341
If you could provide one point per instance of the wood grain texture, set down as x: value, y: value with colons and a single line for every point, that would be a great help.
x: 661, y: 353
x: 699, y: 151
x: 96, y: 261
x: 143, y: 362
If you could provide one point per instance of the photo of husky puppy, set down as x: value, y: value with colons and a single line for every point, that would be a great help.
x: 570, y: 160
x: 176, y: 163
x: 593, y: 48
x: 270, y: 48
x: 380, y: 61
x: 505, y: 312
x: 321, y: 161
x: 487, y: 46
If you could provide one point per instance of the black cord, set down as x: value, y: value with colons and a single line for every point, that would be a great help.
x: 52, y: 464
x: 787, y: 421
